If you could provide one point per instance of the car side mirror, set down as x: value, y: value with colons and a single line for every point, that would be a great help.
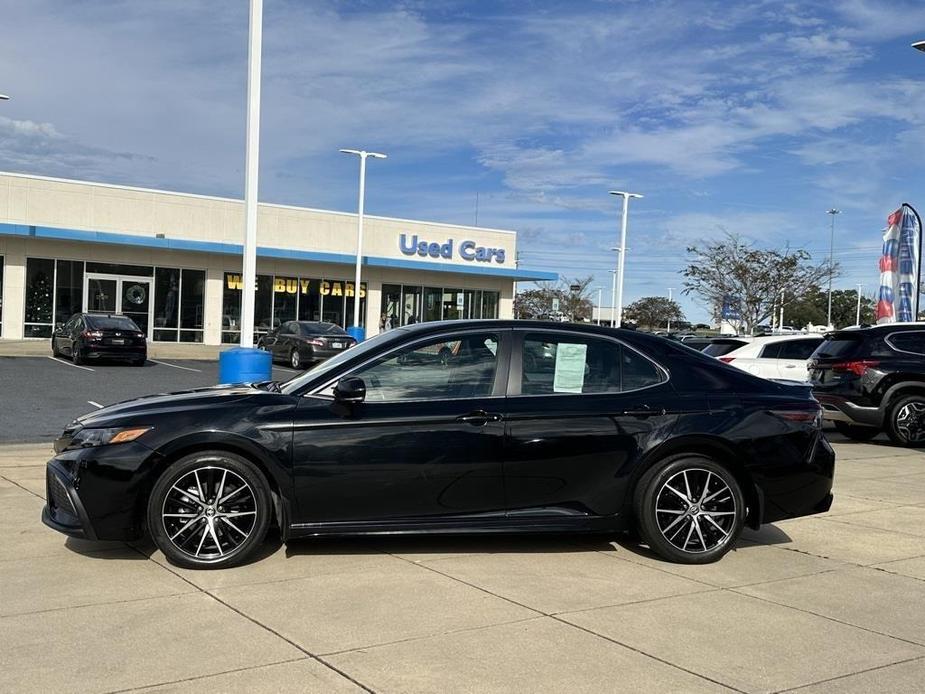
x: 59, y: 327
x: 350, y: 390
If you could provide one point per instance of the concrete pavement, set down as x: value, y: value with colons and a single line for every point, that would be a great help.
x: 830, y: 603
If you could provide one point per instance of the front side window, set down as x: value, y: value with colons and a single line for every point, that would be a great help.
x: 583, y: 365
x: 448, y: 368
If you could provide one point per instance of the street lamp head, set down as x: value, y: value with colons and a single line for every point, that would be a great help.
x: 625, y: 194
x: 919, y: 45
x: 351, y: 151
x: 377, y: 155
x: 833, y: 211
x: 364, y: 153
x: 4, y: 97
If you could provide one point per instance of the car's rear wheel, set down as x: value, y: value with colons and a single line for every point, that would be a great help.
x: 689, y: 509
x: 54, y: 348
x: 209, y: 510
x: 295, y: 359
x: 76, y: 356
x: 906, y: 421
x: 856, y: 432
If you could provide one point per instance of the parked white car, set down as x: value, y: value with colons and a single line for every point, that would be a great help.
x: 775, y: 356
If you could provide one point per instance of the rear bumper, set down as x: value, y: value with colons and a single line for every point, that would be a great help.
x: 836, y: 408
x: 800, y: 489
x: 106, y: 352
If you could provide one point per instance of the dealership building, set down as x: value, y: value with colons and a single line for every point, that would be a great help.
x: 172, y: 262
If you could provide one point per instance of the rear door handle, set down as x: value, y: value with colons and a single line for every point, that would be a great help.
x: 479, y: 418
x: 643, y: 411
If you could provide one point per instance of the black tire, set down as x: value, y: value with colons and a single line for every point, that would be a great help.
x: 75, y: 355
x: 295, y: 359
x: 193, y: 537
x: 905, y: 422
x: 139, y: 362
x: 54, y: 349
x: 669, y: 531
x: 856, y: 432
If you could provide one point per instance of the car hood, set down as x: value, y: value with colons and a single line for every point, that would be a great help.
x: 170, y: 402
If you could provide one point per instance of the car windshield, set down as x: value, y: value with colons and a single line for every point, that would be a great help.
x: 358, y: 350
x: 320, y: 329
x: 721, y: 347
x: 838, y: 346
x: 111, y: 323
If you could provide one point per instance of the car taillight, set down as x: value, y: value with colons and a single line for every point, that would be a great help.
x: 317, y: 343
x: 727, y: 360
x: 813, y: 416
x: 92, y: 334
x: 858, y: 367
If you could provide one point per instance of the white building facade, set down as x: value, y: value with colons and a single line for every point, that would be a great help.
x: 172, y: 262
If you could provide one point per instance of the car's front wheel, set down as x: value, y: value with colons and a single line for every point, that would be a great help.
x: 856, y: 432
x: 295, y: 359
x: 906, y: 421
x: 209, y: 510
x: 689, y: 509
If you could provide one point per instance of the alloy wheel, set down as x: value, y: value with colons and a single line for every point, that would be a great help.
x: 295, y: 359
x: 910, y: 421
x: 209, y: 512
x: 695, y: 510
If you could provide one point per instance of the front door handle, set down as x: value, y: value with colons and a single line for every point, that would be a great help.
x: 479, y: 418
x: 643, y: 411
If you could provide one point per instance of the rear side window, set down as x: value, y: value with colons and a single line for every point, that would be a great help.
x: 720, y: 347
x: 586, y: 365
x: 908, y: 341
x: 838, y: 346
x: 771, y: 351
x: 798, y: 349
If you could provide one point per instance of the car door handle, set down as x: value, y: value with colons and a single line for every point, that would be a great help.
x: 790, y: 366
x: 643, y: 411
x: 479, y: 418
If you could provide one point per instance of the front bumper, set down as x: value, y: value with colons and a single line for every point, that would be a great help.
x: 837, y: 408
x: 98, y: 493
x: 64, y: 511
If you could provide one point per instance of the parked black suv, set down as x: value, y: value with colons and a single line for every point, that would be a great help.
x: 873, y: 379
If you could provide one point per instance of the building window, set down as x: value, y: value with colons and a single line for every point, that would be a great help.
x: 192, y: 305
x: 280, y: 299
x: 40, y: 283
x: 69, y: 289
x: 404, y: 305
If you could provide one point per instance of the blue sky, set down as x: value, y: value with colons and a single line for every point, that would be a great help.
x: 751, y: 117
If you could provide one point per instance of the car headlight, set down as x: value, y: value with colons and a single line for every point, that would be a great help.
x: 87, y: 438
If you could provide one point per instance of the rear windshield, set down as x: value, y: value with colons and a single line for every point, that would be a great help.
x: 721, y: 347
x: 111, y: 323
x: 838, y: 346
x: 321, y: 329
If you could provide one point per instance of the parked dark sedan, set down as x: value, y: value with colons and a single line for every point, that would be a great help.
x: 610, y: 429
x: 302, y: 342
x: 99, y: 336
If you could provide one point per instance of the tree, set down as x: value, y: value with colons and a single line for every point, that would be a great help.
x: 556, y: 301
x: 653, y: 312
x: 733, y: 272
x: 812, y: 307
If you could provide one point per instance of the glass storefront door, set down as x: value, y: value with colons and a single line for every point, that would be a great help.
x: 123, y: 295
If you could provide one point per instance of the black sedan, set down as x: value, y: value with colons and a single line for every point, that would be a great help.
x: 99, y: 336
x: 522, y: 427
x: 302, y: 342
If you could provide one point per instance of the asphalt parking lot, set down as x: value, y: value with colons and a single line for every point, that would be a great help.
x: 830, y: 603
x: 41, y: 394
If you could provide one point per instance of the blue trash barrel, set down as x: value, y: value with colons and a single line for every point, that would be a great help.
x: 244, y: 365
x: 357, y: 333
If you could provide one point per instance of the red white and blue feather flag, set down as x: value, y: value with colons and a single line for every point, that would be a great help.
x: 900, y: 267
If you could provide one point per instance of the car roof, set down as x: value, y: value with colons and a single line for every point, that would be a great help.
x: 754, y: 347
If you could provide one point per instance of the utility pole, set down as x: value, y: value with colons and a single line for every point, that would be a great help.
x: 857, y: 320
x: 600, y: 291
x: 832, y: 212
x: 670, y: 289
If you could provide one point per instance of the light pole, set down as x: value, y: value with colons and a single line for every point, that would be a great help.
x: 670, y: 289
x: 600, y: 291
x: 831, y: 212
x: 857, y: 320
x: 622, y: 260
x: 356, y: 331
x: 613, y: 299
